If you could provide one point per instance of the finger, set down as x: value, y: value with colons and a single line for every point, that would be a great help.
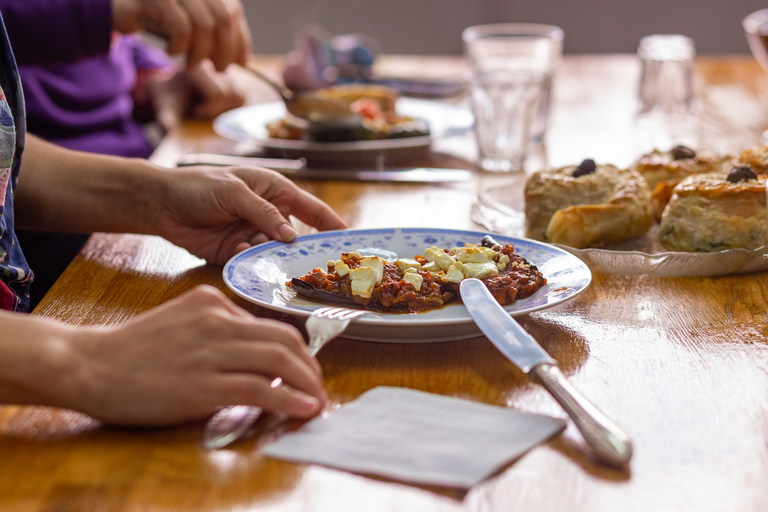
x: 246, y: 41
x: 245, y: 390
x: 226, y: 34
x: 262, y: 214
x: 314, y: 212
x: 177, y: 27
x: 203, y: 31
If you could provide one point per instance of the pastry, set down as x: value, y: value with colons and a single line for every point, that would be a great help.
x: 588, y: 205
x: 715, y: 212
x: 663, y: 170
x: 756, y: 158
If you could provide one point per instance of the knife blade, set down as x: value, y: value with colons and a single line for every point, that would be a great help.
x: 297, y: 169
x: 606, y: 439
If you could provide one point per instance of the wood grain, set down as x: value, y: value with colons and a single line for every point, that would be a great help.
x: 681, y: 363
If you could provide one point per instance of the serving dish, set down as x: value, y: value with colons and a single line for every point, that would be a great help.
x: 497, y: 210
x: 259, y: 274
x: 248, y: 124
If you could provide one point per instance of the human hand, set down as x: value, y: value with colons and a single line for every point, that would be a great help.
x: 200, y: 29
x: 201, y: 92
x: 184, y: 359
x: 216, y: 212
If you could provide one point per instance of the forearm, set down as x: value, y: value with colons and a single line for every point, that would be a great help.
x: 71, y: 191
x: 33, y: 360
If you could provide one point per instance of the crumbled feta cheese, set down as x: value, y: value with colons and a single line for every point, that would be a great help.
x: 444, y: 260
x: 502, y: 263
x: 454, y: 275
x: 431, y: 253
x: 375, y: 263
x: 405, y: 263
x: 341, y: 269
x: 413, y: 278
x: 473, y: 254
x: 363, y: 281
x: 354, y: 255
x: 480, y: 270
x: 432, y: 267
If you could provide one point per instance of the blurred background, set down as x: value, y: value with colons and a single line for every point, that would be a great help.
x: 434, y: 26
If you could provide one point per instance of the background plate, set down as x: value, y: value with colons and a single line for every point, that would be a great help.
x: 249, y: 124
x: 259, y: 275
x: 497, y: 210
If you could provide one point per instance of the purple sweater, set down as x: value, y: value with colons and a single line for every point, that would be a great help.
x: 77, y: 76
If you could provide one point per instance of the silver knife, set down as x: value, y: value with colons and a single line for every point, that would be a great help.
x: 297, y: 169
x: 606, y: 439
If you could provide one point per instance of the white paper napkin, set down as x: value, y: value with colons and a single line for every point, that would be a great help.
x: 417, y: 437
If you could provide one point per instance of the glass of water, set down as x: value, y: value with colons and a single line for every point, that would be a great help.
x: 510, y: 70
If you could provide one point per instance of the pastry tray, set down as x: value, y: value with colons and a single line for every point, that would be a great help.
x: 499, y: 210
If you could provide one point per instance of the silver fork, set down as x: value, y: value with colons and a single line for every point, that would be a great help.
x: 233, y: 423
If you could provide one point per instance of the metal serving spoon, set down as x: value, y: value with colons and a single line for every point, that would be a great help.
x: 311, y: 107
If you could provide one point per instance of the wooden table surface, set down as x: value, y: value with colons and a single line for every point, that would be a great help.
x: 681, y: 363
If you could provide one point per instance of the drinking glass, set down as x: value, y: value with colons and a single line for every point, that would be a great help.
x: 511, y: 66
x: 668, y: 112
x: 756, y: 29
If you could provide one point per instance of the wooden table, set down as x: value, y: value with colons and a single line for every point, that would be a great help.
x: 681, y: 363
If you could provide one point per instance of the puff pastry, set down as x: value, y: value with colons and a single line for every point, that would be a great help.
x: 663, y: 170
x: 605, y: 206
x: 715, y: 212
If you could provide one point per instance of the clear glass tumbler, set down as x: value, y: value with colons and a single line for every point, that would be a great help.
x: 668, y: 111
x: 510, y: 72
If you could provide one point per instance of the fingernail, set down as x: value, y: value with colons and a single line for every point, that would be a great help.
x: 287, y: 233
x: 309, y: 405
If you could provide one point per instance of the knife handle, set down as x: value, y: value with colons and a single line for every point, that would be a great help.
x: 608, y: 441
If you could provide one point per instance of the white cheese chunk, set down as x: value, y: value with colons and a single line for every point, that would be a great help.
x: 431, y: 253
x: 375, y: 263
x: 444, y: 260
x: 480, y: 270
x: 415, y: 279
x: 502, y: 263
x: 473, y: 254
x: 341, y: 268
x: 454, y: 275
x: 363, y: 281
x: 432, y: 267
x: 405, y: 263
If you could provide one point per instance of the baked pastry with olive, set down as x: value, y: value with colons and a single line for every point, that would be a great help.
x: 663, y: 170
x: 756, y: 158
x: 716, y: 212
x: 587, y: 205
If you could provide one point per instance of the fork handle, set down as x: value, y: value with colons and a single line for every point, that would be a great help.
x: 606, y: 439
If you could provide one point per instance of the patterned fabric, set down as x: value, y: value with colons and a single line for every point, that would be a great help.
x: 15, y: 275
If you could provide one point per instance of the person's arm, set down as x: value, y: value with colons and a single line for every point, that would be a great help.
x: 176, y: 363
x: 44, y: 31
x: 213, y: 212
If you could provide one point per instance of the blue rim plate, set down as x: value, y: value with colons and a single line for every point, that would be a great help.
x: 259, y: 275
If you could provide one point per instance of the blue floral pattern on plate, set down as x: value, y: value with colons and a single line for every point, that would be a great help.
x: 259, y: 275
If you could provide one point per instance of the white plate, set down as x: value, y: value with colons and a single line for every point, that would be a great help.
x: 259, y: 274
x: 249, y: 124
x: 497, y: 210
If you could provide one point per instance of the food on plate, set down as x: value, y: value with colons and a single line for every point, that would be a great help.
x: 715, y: 212
x: 423, y: 282
x: 587, y: 205
x: 756, y: 158
x: 663, y: 170
x: 375, y: 106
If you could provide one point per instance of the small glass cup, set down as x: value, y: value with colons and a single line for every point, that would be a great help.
x: 511, y: 66
x: 668, y: 111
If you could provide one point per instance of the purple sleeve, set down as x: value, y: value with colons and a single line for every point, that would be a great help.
x: 45, y: 31
x: 146, y: 56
